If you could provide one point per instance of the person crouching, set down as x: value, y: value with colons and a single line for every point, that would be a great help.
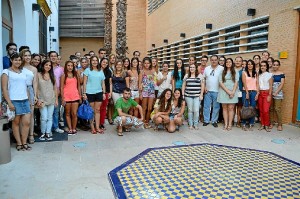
x: 121, y: 116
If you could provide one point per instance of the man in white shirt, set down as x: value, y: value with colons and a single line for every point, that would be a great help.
x: 212, y: 74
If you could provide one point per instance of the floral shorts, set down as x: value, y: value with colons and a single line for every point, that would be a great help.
x: 129, y: 122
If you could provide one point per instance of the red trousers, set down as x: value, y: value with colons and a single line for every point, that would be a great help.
x: 264, y: 107
x: 103, y: 109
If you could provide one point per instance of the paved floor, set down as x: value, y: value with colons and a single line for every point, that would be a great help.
x: 60, y: 170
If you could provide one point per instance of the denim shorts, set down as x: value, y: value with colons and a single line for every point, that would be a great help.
x: 22, y: 107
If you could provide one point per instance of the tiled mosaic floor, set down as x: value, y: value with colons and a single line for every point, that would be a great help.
x: 206, y: 171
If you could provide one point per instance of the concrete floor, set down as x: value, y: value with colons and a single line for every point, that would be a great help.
x: 60, y: 170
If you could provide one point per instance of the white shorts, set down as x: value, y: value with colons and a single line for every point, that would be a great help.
x: 135, y: 94
x: 116, y: 96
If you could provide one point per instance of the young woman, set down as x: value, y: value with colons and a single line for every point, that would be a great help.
x: 47, y: 98
x: 84, y: 64
x: 36, y: 61
x: 108, y: 85
x: 133, y: 74
x: 110, y: 107
x: 250, y: 90
x: 270, y: 62
x: 228, y: 92
x: 70, y: 95
x: 265, y: 81
x: 94, y: 91
x: 278, y: 82
x: 162, y: 108
x: 177, y: 111
x: 147, y: 89
x: 192, y: 61
x: 126, y: 64
x: 244, y: 64
x: 178, y: 74
x: 14, y: 90
x: 222, y: 61
x: 155, y: 68
x: 120, y: 81
x: 31, y: 75
x: 164, y: 79
x: 257, y: 59
x: 192, y: 89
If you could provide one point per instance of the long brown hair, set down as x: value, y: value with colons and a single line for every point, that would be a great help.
x: 98, y: 66
x: 162, y: 101
x: 232, y: 71
x: 74, y: 72
x: 123, y: 73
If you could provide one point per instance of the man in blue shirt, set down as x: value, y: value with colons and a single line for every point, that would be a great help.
x: 10, y: 49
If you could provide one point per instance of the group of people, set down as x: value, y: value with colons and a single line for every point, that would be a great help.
x: 131, y: 92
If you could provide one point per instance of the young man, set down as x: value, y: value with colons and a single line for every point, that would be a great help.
x: 101, y: 53
x: 58, y: 72
x: 10, y: 49
x: 212, y: 74
x: 121, y: 116
x: 137, y: 54
x: 203, y: 64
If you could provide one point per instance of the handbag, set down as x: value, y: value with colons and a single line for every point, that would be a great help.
x: 85, y: 111
x: 247, y: 112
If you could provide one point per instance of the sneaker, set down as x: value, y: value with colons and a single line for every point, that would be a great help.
x: 48, y: 137
x: 215, y: 124
x: 58, y: 130
x: 43, y: 137
x: 205, y: 124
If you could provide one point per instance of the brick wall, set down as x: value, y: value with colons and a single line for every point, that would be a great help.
x: 190, y: 17
x: 71, y: 45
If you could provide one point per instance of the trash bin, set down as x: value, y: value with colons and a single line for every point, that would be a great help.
x: 5, y: 153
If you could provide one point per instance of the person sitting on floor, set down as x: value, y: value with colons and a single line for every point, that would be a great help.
x: 162, y: 109
x: 121, y: 116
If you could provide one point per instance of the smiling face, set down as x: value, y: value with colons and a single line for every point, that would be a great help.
x: 134, y: 63
x: 16, y: 62
x: 119, y: 66
x: 256, y: 60
x: 104, y: 63
x: 53, y: 58
x: 47, y: 66
x: 112, y: 59
x: 27, y: 57
x: 191, y: 60
x: 250, y: 65
x: 94, y: 61
x: 168, y: 95
x: 84, y: 63
x: 179, y: 64
x: 276, y: 66
x: 36, y: 60
x: 244, y: 63
x: 192, y: 68
x: 222, y: 61
x: 229, y: 63
x: 177, y: 94
x: 238, y: 62
x: 154, y: 63
x: 11, y: 49
x: 165, y: 67
x: 146, y: 64
x: 214, y: 61
x: 263, y: 67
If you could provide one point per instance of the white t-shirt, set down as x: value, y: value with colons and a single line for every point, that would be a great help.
x: 166, y: 83
x: 264, y: 80
x: 17, y: 86
x: 29, y: 76
x: 212, y: 77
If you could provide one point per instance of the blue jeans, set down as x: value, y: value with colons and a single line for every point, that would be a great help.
x: 250, y: 102
x: 211, y: 98
x: 56, y: 115
x: 193, y: 104
x: 46, y: 118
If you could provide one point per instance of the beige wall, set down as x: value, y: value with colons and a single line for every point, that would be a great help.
x: 136, y: 27
x: 71, y: 45
x: 190, y: 17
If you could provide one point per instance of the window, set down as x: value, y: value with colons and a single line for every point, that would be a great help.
x: 154, y: 4
x: 7, y: 28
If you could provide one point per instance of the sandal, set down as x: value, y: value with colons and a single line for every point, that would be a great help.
x: 31, y: 139
x: 270, y: 126
x: 27, y: 147
x: 155, y: 128
x: 126, y: 129
x: 100, y: 131
x: 191, y: 128
x: 93, y: 132
x: 229, y: 128
x: 261, y: 128
x: 267, y: 129
x: 120, y: 133
x: 244, y: 128
x: 225, y: 128
x: 19, y: 147
x: 147, y: 126
x: 102, y: 127
x: 279, y: 128
x: 111, y: 122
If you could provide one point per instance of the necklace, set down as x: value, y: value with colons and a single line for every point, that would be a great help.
x: 16, y: 71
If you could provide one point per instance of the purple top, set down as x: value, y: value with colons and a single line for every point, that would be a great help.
x: 58, y: 72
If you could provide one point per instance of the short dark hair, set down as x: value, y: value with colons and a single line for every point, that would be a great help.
x: 23, y: 47
x: 52, y: 51
x: 256, y: 56
x: 127, y: 89
x: 265, y: 52
x: 101, y: 49
x: 136, y: 51
x: 214, y: 56
x: 204, y: 56
x: 72, y: 57
x: 9, y: 45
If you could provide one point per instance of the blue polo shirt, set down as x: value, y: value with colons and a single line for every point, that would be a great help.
x: 6, y: 62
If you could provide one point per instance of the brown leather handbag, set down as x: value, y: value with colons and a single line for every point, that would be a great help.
x: 247, y: 112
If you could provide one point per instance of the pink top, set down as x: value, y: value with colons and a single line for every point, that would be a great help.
x: 251, y: 83
x: 70, y: 90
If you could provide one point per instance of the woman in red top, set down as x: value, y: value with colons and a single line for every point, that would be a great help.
x: 70, y: 95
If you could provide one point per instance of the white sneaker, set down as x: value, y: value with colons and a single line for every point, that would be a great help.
x: 58, y: 130
x: 43, y: 137
x: 48, y: 137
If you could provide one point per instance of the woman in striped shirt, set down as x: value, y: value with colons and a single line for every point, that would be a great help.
x: 192, y: 89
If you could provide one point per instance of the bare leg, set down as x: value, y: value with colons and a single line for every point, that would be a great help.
x: 25, y: 120
x: 225, y: 115
x: 149, y: 108
x: 136, y: 111
x: 97, y: 114
x: 144, y: 106
x: 16, y: 129
x: 68, y: 115
x: 92, y: 104
x: 171, y: 126
x: 31, y: 138
x: 230, y: 115
x: 74, y: 108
